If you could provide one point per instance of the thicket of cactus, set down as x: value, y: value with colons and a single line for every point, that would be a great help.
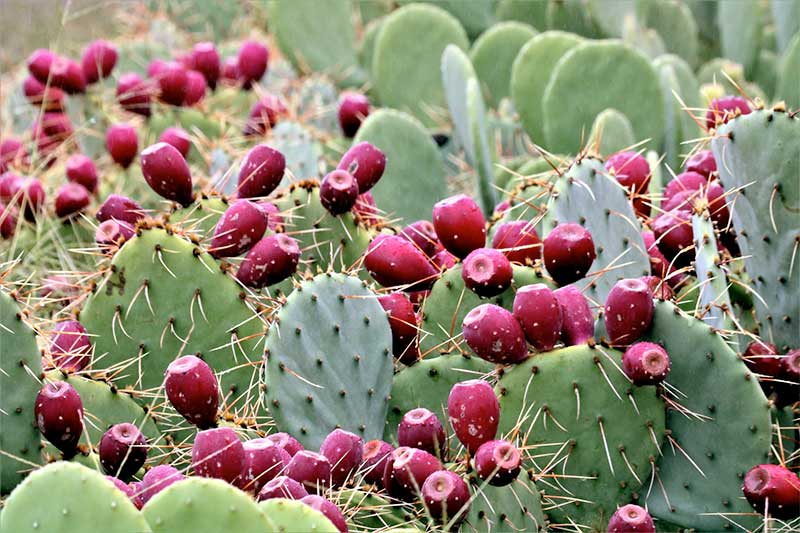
x: 399, y: 267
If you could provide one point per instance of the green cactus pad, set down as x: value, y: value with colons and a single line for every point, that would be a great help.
x: 66, y: 497
x: 611, y: 132
x: 530, y: 73
x: 515, y: 507
x: 405, y: 66
x: 612, y: 15
x: 714, y: 300
x: 789, y: 75
x: 290, y: 515
x: 675, y: 24
x: 759, y: 155
x: 367, y: 50
x: 301, y: 151
x: 427, y: 384
x: 493, y: 56
x: 450, y: 301
x: 532, y: 13
x: 476, y: 15
x: 200, y: 217
x: 201, y: 504
x: 370, y: 511
x: 740, y: 26
x: 414, y: 179
x: 589, y: 196
x: 164, y: 298
x: 579, y: 415
x: 572, y: 16
x: 207, y: 19
x: 707, y: 373
x: 786, y: 15
x: 583, y: 77
x: 678, y: 79
x: 20, y: 367
x: 317, y: 102
x: 329, y: 361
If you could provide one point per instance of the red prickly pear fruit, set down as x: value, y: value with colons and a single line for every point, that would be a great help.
x: 282, y: 487
x: 344, y: 451
x: 366, y: 210
x: 538, y: 311
x: 366, y: 163
x: 193, y: 390
x: 264, y: 115
x: 263, y: 461
x: 702, y: 163
x: 218, y: 453
x: 375, y: 455
x: 410, y: 468
x: 81, y: 169
x: 498, y: 462
x: 70, y: 349
x: 59, y: 416
x: 422, y: 429
x: 502, y: 207
x: 205, y: 59
x: 178, y: 138
x: 659, y: 265
x: 12, y: 154
x: 241, y: 226
x: 519, y: 242
x: 173, y: 83
x: 98, y: 60
x: 459, y: 224
x: 446, y: 496
x: 628, y: 311
x: 157, y: 479
x: 68, y: 75
x: 403, y: 322
x: 8, y: 221
x: 195, y: 88
x: 327, y: 508
x: 494, y: 335
x: 71, y: 199
x: 762, y: 358
x: 274, y: 217
x: 577, y: 321
x: 167, y: 173
x: 39, y: 63
x: 631, y: 519
x: 774, y: 489
x: 311, y: 469
x: 718, y: 205
x: 424, y: 236
x: 156, y: 68
x: 673, y: 232
x: 338, y: 192
x: 568, y: 253
x: 126, y: 489
x: 10, y: 185
x: 121, y: 208
x: 122, y: 450
x: 136, y: 496
x: 286, y: 442
x: 486, y: 272
x: 353, y: 109
x: 721, y: 110
x: 38, y: 94
x: 31, y: 197
x: 134, y: 93
x: 787, y: 387
x: 661, y: 289
x: 444, y: 260
x: 122, y: 143
x: 252, y: 62
x: 632, y: 172
x: 271, y: 260
x: 261, y: 172
x: 113, y: 232
x: 646, y: 363
x: 395, y: 262
x: 474, y: 413
x: 685, y: 181
x: 681, y: 200
x: 230, y: 70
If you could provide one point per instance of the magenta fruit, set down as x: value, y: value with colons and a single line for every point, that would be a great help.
x: 424, y: 236
x: 271, y: 260
x: 787, y: 388
x: 113, y: 232
x: 263, y: 461
x: 494, y: 335
x: 366, y: 210
x: 121, y: 208
x: 631, y: 519
x: 136, y: 493
x: 702, y: 163
x: 685, y: 181
x: 646, y: 363
x: 519, y: 242
x: 762, y: 358
x: 446, y: 496
x: 327, y: 508
x: 444, y: 260
x: 282, y: 487
x: 498, y: 462
x: 8, y: 221
x: 264, y: 115
x: 577, y: 321
x: 38, y: 94
x: 568, y: 253
x: 59, y: 415
x: 70, y: 349
x: 126, y: 489
x: 344, y: 451
x: 241, y: 226
x: 218, y: 453
x: 375, y: 455
x: 12, y: 154
x: 403, y: 322
x: 486, y: 272
x: 39, y: 63
x: 81, y: 169
x: 353, y: 109
x: 628, y: 311
x: 68, y: 75
x: 721, y: 110
x: 31, y: 197
x: 122, y: 450
x: 122, y: 143
x: 286, y: 442
x: 98, y: 60
x: 157, y: 479
x: 195, y: 88
x: 252, y: 62
x: 173, y: 83
x: 167, y: 173
x: 261, y: 172
x: 366, y: 163
x: 274, y: 217
x: 177, y: 138
x: 459, y: 224
x: 311, y: 469
x: 71, y: 199
x: 410, y: 468
x: 774, y: 489
x: 632, y: 172
x: 395, y: 262
x: 205, y: 60
x: 538, y: 311
x: 422, y: 429
x: 474, y: 413
x: 659, y: 265
x: 338, y: 192
x: 230, y: 71
x: 193, y: 390
x: 673, y: 232
x: 134, y: 93
x: 659, y: 287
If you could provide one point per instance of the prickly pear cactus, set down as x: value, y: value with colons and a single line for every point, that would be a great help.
x: 611, y: 132
x: 201, y: 216
x: 515, y: 507
x: 289, y: 515
x: 714, y: 301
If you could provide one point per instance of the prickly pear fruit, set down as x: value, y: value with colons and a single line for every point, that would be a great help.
x: 134, y: 93
x: 67, y: 75
x: 193, y: 390
x: 282, y: 487
x: 459, y: 224
x: 241, y: 226
x: 252, y: 62
x: 685, y: 181
x: 218, y: 453
x: 577, y: 321
x: 376, y: 454
x: 538, y: 311
x: 126, y: 489
x: 311, y: 469
x: 71, y: 199
x: 787, y: 388
x: 122, y: 143
x: 31, y: 197
x: 424, y: 236
x: 628, y: 311
x: 519, y: 241
x: 659, y: 265
x: 632, y: 172
x: 344, y: 451
x: 403, y: 322
x: 263, y: 461
x: 173, y: 82
x: 446, y: 496
x: 645, y: 363
x: 366, y: 163
x: 498, y: 462
x: 287, y: 442
x: 81, y: 169
x: 167, y: 173
x: 774, y: 489
x: 40, y: 95
x: 113, y: 232
x: 395, y: 262
x: 122, y: 450
x: 762, y: 357
x: 353, y: 109
x: 271, y: 260
x: 98, y: 60
x: 631, y: 519
x: 494, y: 335
x: 410, y: 468
x: 157, y: 479
x: 702, y: 163
x: 660, y: 288
x: 327, y: 508
x: 178, y: 138
x: 487, y: 272
x: 338, y: 192
x: 8, y: 221
x: 39, y: 63
x: 264, y: 115
x: 422, y: 429
x: 673, y: 232
x: 59, y: 415
x: 721, y: 110
x: 195, y: 88
x: 568, y: 253
x: 261, y: 172
x: 205, y: 60
x: 70, y: 349
x: 474, y: 413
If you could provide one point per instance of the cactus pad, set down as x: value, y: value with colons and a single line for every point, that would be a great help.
x: 515, y: 507
x: 369, y: 511
x: 301, y: 151
x: 493, y: 55
x: 200, y: 217
x: 290, y: 515
x: 713, y: 299
x: 611, y: 132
